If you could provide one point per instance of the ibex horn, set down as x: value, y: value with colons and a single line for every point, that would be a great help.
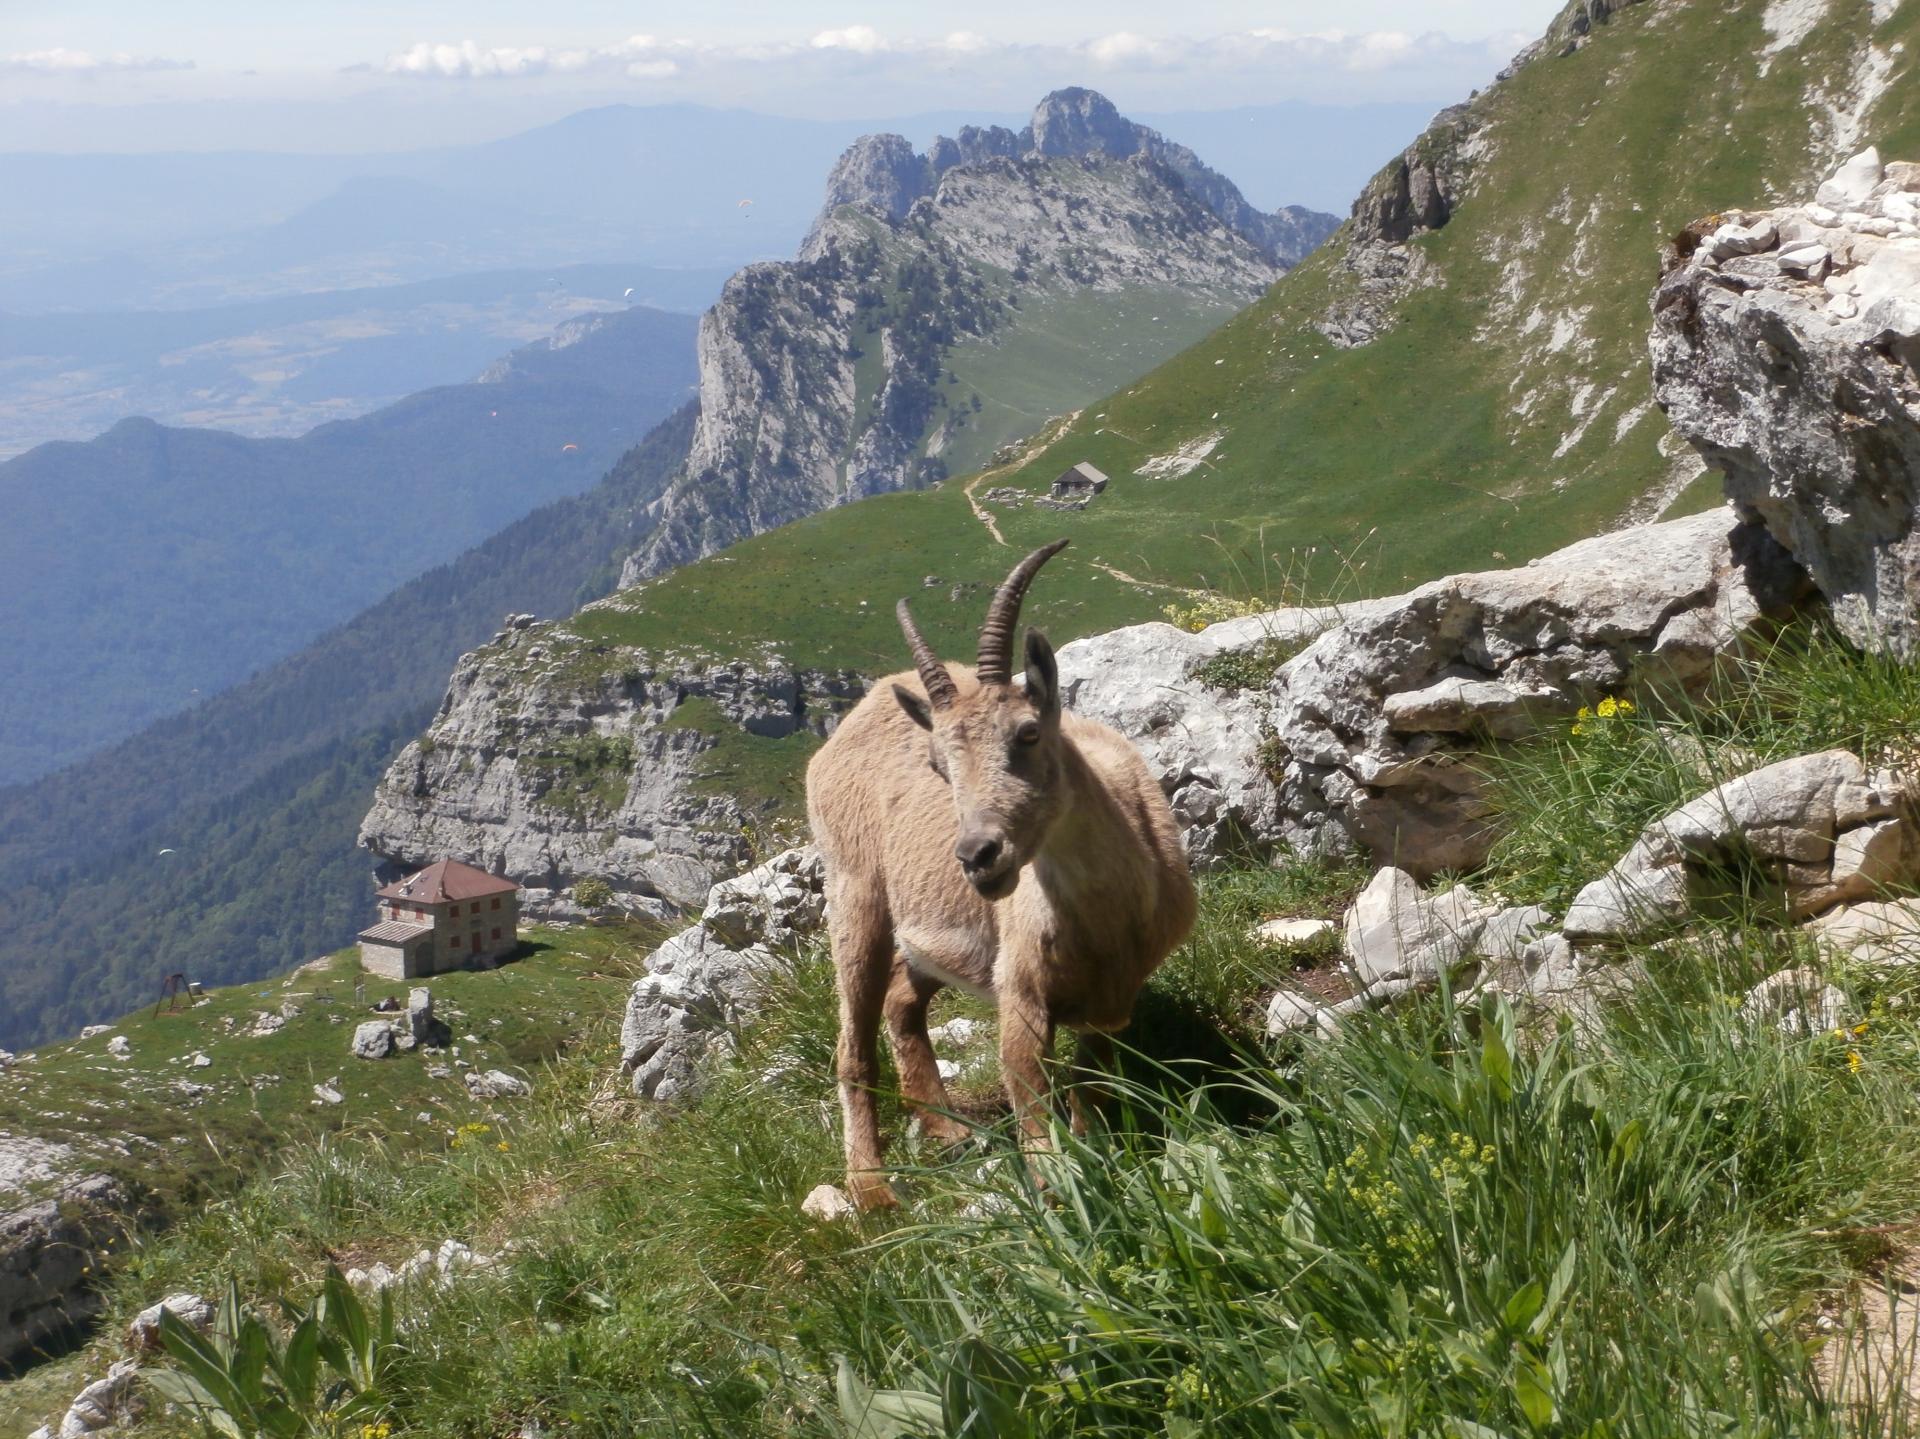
x: 996, y: 635
x: 933, y: 674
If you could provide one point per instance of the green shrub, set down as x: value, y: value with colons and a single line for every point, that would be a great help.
x: 248, y: 1379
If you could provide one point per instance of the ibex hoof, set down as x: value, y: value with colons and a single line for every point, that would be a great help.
x: 871, y: 1194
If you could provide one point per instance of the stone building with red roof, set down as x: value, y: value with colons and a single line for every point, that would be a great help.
x: 447, y: 916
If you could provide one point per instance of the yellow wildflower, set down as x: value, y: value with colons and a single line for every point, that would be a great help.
x: 501, y: 1146
x: 1854, y: 1061
x: 1860, y: 1029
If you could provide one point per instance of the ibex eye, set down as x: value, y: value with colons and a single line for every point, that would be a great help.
x: 1028, y: 733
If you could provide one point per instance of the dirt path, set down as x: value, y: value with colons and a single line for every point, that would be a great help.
x: 1148, y: 585
x: 1047, y: 434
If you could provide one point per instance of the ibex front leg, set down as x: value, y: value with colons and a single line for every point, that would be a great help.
x: 1026, y: 1042
x: 862, y: 964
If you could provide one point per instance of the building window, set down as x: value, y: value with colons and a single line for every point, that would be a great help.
x: 496, y: 932
x: 454, y: 942
x: 455, y: 911
x: 496, y: 904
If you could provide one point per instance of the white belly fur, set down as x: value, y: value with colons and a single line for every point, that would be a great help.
x: 938, y: 954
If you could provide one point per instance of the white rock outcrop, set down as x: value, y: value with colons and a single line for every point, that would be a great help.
x: 1805, y: 834
x: 143, y: 1333
x: 1784, y: 349
x: 553, y: 759
x: 1371, y: 735
x: 710, y: 977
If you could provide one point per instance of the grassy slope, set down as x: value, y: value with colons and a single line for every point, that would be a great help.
x: 1443, y: 1221
x: 1409, y: 453
x: 177, y: 1149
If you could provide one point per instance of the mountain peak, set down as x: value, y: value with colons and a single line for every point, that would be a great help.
x: 1078, y: 121
x: 884, y: 173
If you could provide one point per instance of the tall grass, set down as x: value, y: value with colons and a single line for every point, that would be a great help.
x: 1570, y: 802
x: 1450, y: 1219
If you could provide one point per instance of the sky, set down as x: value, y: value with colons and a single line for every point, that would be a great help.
x: 134, y: 75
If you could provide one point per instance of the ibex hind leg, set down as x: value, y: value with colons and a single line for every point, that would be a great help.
x: 862, y: 962
x: 908, y: 995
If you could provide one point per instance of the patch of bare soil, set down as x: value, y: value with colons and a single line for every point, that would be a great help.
x: 1871, y: 1365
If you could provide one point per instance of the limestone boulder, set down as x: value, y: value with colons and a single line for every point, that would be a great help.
x: 779, y: 904
x: 1377, y: 734
x: 1203, y: 741
x: 495, y: 1084
x: 1793, y: 374
x: 1804, y: 834
x: 107, y: 1403
x: 1878, y: 933
x: 710, y: 978
x: 1374, y: 726
x: 373, y: 1040
x: 1796, y: 1002
x: 143, y: 1334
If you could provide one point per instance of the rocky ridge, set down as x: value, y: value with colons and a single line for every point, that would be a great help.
x: 551, y: 760
x: 883, y: 173
x: 911, y: 256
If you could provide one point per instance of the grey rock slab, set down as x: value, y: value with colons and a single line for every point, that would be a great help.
x: 373, y: 1040
x: 1799, y: 1003
x: 143, y: 1333
x: 1776, y: 824
x: 1290, y: 931
x: 495, y: 1084
x: 1879, y: 933
x: 1395, y: 930
x: 1809, y: 407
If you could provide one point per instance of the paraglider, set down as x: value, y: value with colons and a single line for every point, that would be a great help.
x: 746, y: 209
x: 566, y: 448
x: 164, y: 851
x: 629, y: 294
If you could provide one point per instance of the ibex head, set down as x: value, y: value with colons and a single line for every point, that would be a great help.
x: 997, y: 747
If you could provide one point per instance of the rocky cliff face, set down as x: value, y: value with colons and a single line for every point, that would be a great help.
x: 553, y: 758
x: 55, y: 1226
x: 829, y: 378
x: 1785, y: 348
x: 883, y: 173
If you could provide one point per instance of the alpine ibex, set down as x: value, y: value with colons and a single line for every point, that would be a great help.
x: 975, y: 835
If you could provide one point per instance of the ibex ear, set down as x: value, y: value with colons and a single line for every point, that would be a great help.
x: 1043, y: 674
x: 916, y: 707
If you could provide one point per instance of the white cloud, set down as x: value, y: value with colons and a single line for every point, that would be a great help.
x: 468, y: 60
x: 861, y: 39
x: 1126, y: 48
x: 1239, y: 67
x: 60, y: 61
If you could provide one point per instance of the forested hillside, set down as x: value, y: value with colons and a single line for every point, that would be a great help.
x: 152, y: 567
x: 258, y: 792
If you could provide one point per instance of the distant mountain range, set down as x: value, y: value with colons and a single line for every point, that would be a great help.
x: 152, y: 567
x: 281, y: 366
